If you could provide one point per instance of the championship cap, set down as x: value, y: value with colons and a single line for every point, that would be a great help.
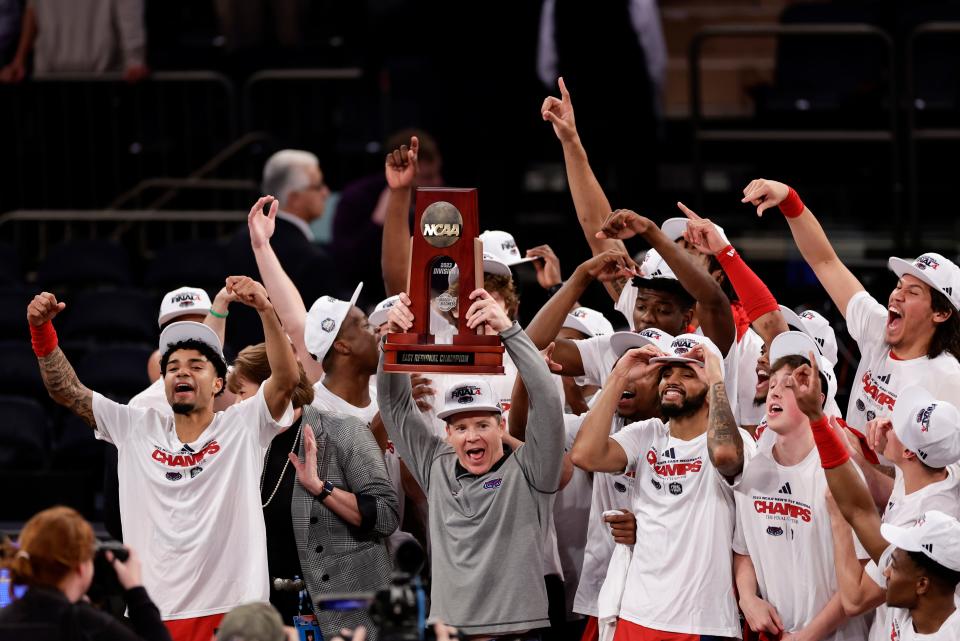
x: 795, y: 343
x: 502, y: 247
x: 936, y: 535
x: 621, y: 342
x: 183, y: 301
x: 654, y: 266
x: 379, y: 314
x: 673, y: 229
x: 936, y: 271
x: 816, y: 326
x: 468, y: 396
x: 491, y: 265
x: 189, y: 330
x: 588, y: 321
x: 683, y: 344
x: 927, y: 427
x: 324, y: 321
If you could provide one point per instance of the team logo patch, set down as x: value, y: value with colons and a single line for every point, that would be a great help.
x: 675, y: 488
x: 923, y: 417
x: 871, y: 415
x: 510, y: 247
x: 174, y: 476
x: 185, y: 300
x: 465, y: 394
x: 579, y: 313
x: 860, y: 405
x: 807, y: 314
x: 926, y: 261
x: 492, y: 484
x: 775, y: 531
x: 620, y: 486
x: 328, y: 324
x: 656, y: 484
x: 651, y: 333
x: 194, y: 471
x: 682, y: 345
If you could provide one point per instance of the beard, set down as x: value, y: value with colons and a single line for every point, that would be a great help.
x: 690, y: 406
x: 183, y: 408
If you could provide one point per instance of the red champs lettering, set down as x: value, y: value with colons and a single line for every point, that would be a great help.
x: 185, y: 460
x: 782, y: 508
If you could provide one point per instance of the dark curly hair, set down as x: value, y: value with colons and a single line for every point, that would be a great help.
x: 211, y: 354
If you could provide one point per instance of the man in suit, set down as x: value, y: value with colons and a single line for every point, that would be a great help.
x: 295, y: 179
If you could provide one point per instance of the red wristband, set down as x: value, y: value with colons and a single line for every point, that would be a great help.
x: 792, y: 206
x: 754, y: 295
x: 833, y: 453
x: 43, y: 339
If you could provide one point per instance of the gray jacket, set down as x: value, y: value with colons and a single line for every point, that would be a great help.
x: 336, y: 557
x: 486, y: 531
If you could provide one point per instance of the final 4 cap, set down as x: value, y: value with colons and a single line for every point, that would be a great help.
x: 491, y: 265
x: 189, y: 330
x: 623, y: 341
x: 801, y: 344
x: 681, y: 345
x: 927, y: 427
x: 324, y: 321
x: 502, y: 246
x: 673, y: 228
x: 816, y: 326
x: 379, y: 314
x: 936, y: 271
x: 183, y: 301
x: 468, y: 396
x: 588, y: 321
x: 654, y: 266
x: 936, y: 534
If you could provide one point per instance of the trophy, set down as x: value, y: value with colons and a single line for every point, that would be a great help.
x: 446, y: 227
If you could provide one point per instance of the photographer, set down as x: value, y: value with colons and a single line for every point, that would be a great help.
x: 55, y: 562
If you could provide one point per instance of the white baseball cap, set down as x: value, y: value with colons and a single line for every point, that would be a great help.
x: 469, y: 396
x: 816, y: 326
x: 673, y: 229
x: 928, y: 427
x: 682, y: 344
x: 621, y: 342
x: 491, y: 265
x: 503, y: 247
x: 324, y: 321
x: 654, y: 266
x: 379, y: 314
x: 190, y: 330
x: 936, y: 535
x: 588, y: 321
x: 801, y: 344
x: 183, y: 301
x: 936, y: 271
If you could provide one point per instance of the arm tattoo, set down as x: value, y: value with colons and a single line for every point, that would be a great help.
x: 722, y: 430
x: 65, y: 388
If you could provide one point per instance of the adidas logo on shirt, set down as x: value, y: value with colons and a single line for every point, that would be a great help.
x: 885, y: 379
x: 669, y: 453
x: 785, y: 489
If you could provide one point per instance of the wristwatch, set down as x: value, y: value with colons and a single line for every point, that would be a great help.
x: 326, y: 491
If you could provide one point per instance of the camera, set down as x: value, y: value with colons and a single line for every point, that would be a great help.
x: 400, y: 611
x: 106, y: 591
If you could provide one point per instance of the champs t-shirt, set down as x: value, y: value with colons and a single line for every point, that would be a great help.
x: 681, y: 576
x: 192, y: 510
x: 783, y: 524
x: 880, y: 376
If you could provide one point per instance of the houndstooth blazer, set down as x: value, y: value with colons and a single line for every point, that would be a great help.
x: 336, y: 557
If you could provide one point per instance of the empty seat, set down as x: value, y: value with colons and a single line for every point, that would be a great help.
x: 191, y: 264
x: 83, y: 264
x: 109, y: 315
x: 76, y: 448
x: 19, y: 370
x: 119, y: 372
x: 10, y: 271
x: 24, y: 428
x: 13, y: 312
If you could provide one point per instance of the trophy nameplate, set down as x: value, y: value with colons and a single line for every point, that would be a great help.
x: 446, y: 226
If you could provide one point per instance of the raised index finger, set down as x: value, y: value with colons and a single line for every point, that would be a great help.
x: 563, y: 88
x: 692, y: 215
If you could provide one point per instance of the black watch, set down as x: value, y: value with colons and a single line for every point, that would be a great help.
x: 553, y: 289
x: 326, y: 491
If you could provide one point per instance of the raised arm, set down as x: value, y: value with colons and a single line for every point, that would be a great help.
x: 216, y: 318
x: 593, y: 449
x: 809, y: 236
x: 543, y: 329
x: 284, y: 373
x: 401, y: 169
x: 284, y: 295
x: 858, y: 592
x: 724, y: 443
x: 17, y: 69
x: 61, y: 381
x: 713, y: 306
x: 589, y: 200
x: 757, y: 299
x: 848, y: 489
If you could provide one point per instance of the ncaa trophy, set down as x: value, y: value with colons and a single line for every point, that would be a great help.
x: 446, y: 227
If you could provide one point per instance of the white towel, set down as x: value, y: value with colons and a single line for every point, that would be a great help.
x: 611, y: 592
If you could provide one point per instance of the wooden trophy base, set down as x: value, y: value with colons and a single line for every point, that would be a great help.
x: 469, y: 354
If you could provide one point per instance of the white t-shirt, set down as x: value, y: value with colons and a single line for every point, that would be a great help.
x: 610, y: 492
x: 192, y: 510
x: 326, y: 401
x: 598, y: 359
x: 571, y: 515
x: 783, y: 524
x: 154, y: 397
x: 681, y: 575
x: 880, y: 376
x: 896, y: 624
